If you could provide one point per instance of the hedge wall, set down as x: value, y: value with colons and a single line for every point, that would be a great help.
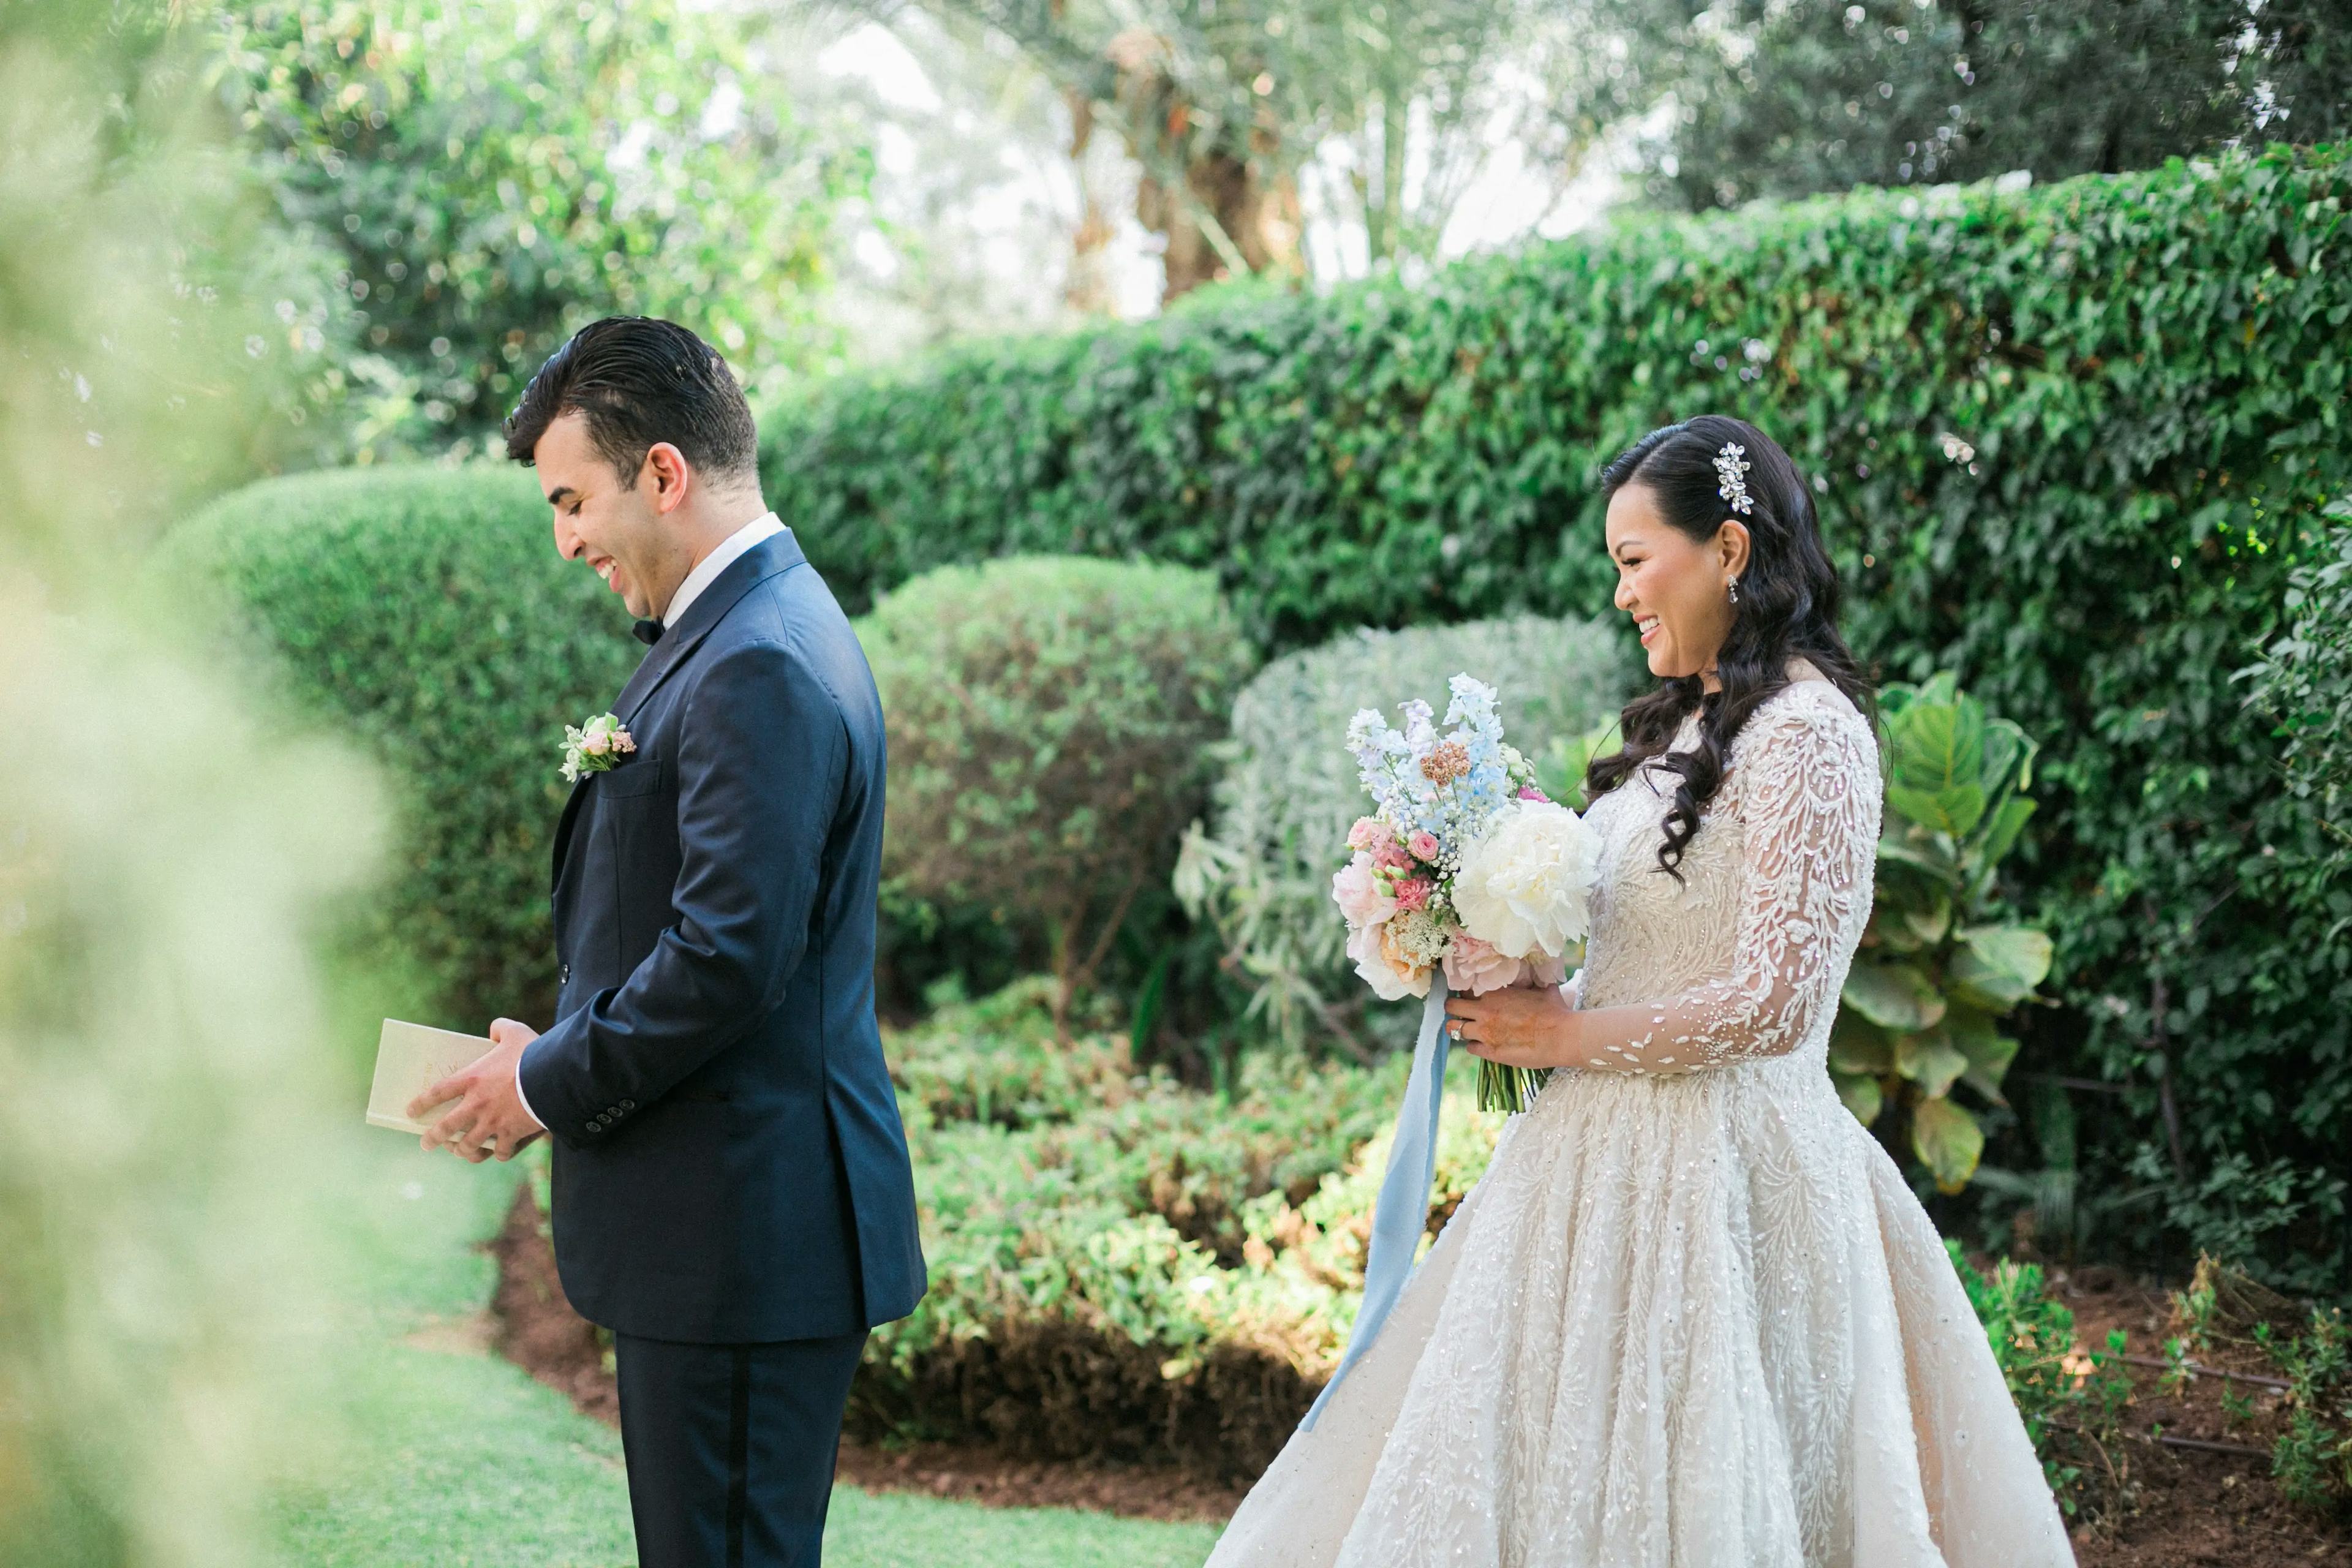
x: 2068, y: 443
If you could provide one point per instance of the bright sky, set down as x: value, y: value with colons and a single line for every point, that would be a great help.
x: 1503, y: 200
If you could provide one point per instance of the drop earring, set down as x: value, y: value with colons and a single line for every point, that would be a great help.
x: 1732, y: 586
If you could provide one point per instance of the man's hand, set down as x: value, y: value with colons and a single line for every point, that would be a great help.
x: 489, y: 1118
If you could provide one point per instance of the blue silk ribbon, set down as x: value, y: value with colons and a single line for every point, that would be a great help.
x: 1402, y: 1212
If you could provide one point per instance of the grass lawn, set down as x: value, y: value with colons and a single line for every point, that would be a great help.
x: 445, y: 1457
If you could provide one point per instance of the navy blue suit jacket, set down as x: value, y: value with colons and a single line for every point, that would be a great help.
x: 729, y: 1165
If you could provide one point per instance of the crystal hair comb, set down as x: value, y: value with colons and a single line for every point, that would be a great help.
x: 1731, y: 463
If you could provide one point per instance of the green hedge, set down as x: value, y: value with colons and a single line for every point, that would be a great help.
x: 2069, y: 443
x: 426, y: 613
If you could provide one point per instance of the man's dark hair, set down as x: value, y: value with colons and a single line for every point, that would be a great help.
x: 637, y: 381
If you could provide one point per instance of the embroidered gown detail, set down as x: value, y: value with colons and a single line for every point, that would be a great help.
x: 1692, y: 1316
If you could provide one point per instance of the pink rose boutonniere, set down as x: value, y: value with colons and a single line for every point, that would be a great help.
x: 594, y: 747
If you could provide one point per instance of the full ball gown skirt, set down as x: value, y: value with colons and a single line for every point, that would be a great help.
x: 1692, y: 1317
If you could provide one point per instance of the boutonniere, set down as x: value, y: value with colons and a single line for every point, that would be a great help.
x: 594, y: 747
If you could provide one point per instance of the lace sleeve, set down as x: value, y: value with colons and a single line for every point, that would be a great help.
x: 1804, y: 782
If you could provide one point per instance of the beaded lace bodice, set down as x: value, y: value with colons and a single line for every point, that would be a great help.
x: 1745, y: 957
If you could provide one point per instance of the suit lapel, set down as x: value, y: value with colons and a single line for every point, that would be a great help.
x: 776, y: 554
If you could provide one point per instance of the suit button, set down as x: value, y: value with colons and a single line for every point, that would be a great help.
x: 595, y: 1127
x: 628, y: 1105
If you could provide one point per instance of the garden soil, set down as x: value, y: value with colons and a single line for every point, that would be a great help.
x: 2166, y: 1504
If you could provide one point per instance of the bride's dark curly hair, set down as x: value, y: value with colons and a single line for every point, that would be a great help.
x: 1788, y: 607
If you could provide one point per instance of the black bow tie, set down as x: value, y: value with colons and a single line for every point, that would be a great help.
x: 646, y: 632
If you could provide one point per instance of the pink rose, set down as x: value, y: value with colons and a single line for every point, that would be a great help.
x: 1367, y: 832
x: 1529, y: 792
x: 1390, y: 856
x: 1477, y: 967
x: 1361, y: 896
x: 595, y: 743
x: 1413, y: 893
x: 1424, y: 845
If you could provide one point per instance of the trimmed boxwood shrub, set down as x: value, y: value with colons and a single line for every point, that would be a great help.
x: 2069, y: 444
x: 426, y: 613
x: 1050, y: 720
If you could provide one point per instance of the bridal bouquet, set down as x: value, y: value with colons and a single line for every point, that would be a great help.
x: 1465, y: 868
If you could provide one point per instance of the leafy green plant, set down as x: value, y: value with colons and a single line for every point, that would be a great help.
x: 1260, y: 869
x: 1940, y: 965
x: 1050, y: 721
x: 2313, y: 1457
x: 2070, y: 1397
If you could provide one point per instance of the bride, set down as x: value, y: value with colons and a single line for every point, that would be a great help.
x: 1693, y: 1316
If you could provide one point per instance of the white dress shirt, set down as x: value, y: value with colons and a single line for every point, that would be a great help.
x: 705, y: 572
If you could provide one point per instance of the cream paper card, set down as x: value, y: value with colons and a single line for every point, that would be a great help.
x: 409, y: 1059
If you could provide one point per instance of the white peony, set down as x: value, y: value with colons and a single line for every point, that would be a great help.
x: 1525, y: 885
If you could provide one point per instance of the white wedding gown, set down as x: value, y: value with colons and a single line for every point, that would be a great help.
x: 1692, y: 1317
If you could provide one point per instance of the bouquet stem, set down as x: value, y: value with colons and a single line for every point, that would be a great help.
x: 1510, y: 1089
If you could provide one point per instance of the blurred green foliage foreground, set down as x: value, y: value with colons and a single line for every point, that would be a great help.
x: 161, y: 852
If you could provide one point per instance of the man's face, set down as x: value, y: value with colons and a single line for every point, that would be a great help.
x: 612, y: 524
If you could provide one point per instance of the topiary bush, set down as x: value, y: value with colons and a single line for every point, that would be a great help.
x: 1049, y: 722
x: 1260, y: 871
x: 2070, y: 444
x: 424, y: 613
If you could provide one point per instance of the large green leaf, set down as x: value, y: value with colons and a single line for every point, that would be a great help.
x: 1861, y: 1093
x: 1948, y: 1141
x: 1859, y: 1045
x: 1998, y: 966
x: 1920, y: 856
x: 1930, y: 1059
x: 2001, y: 828
x: 1895, y: 996
x: 1949, y: 808
x: 2008, y: 762
x: 1939, y: 741
x: 1988, y: 1050
x: 1929, y: 925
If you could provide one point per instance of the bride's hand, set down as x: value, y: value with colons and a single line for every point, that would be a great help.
x: 1519, y: 1026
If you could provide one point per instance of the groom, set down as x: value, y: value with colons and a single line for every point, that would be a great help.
x: 733, y: 1196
